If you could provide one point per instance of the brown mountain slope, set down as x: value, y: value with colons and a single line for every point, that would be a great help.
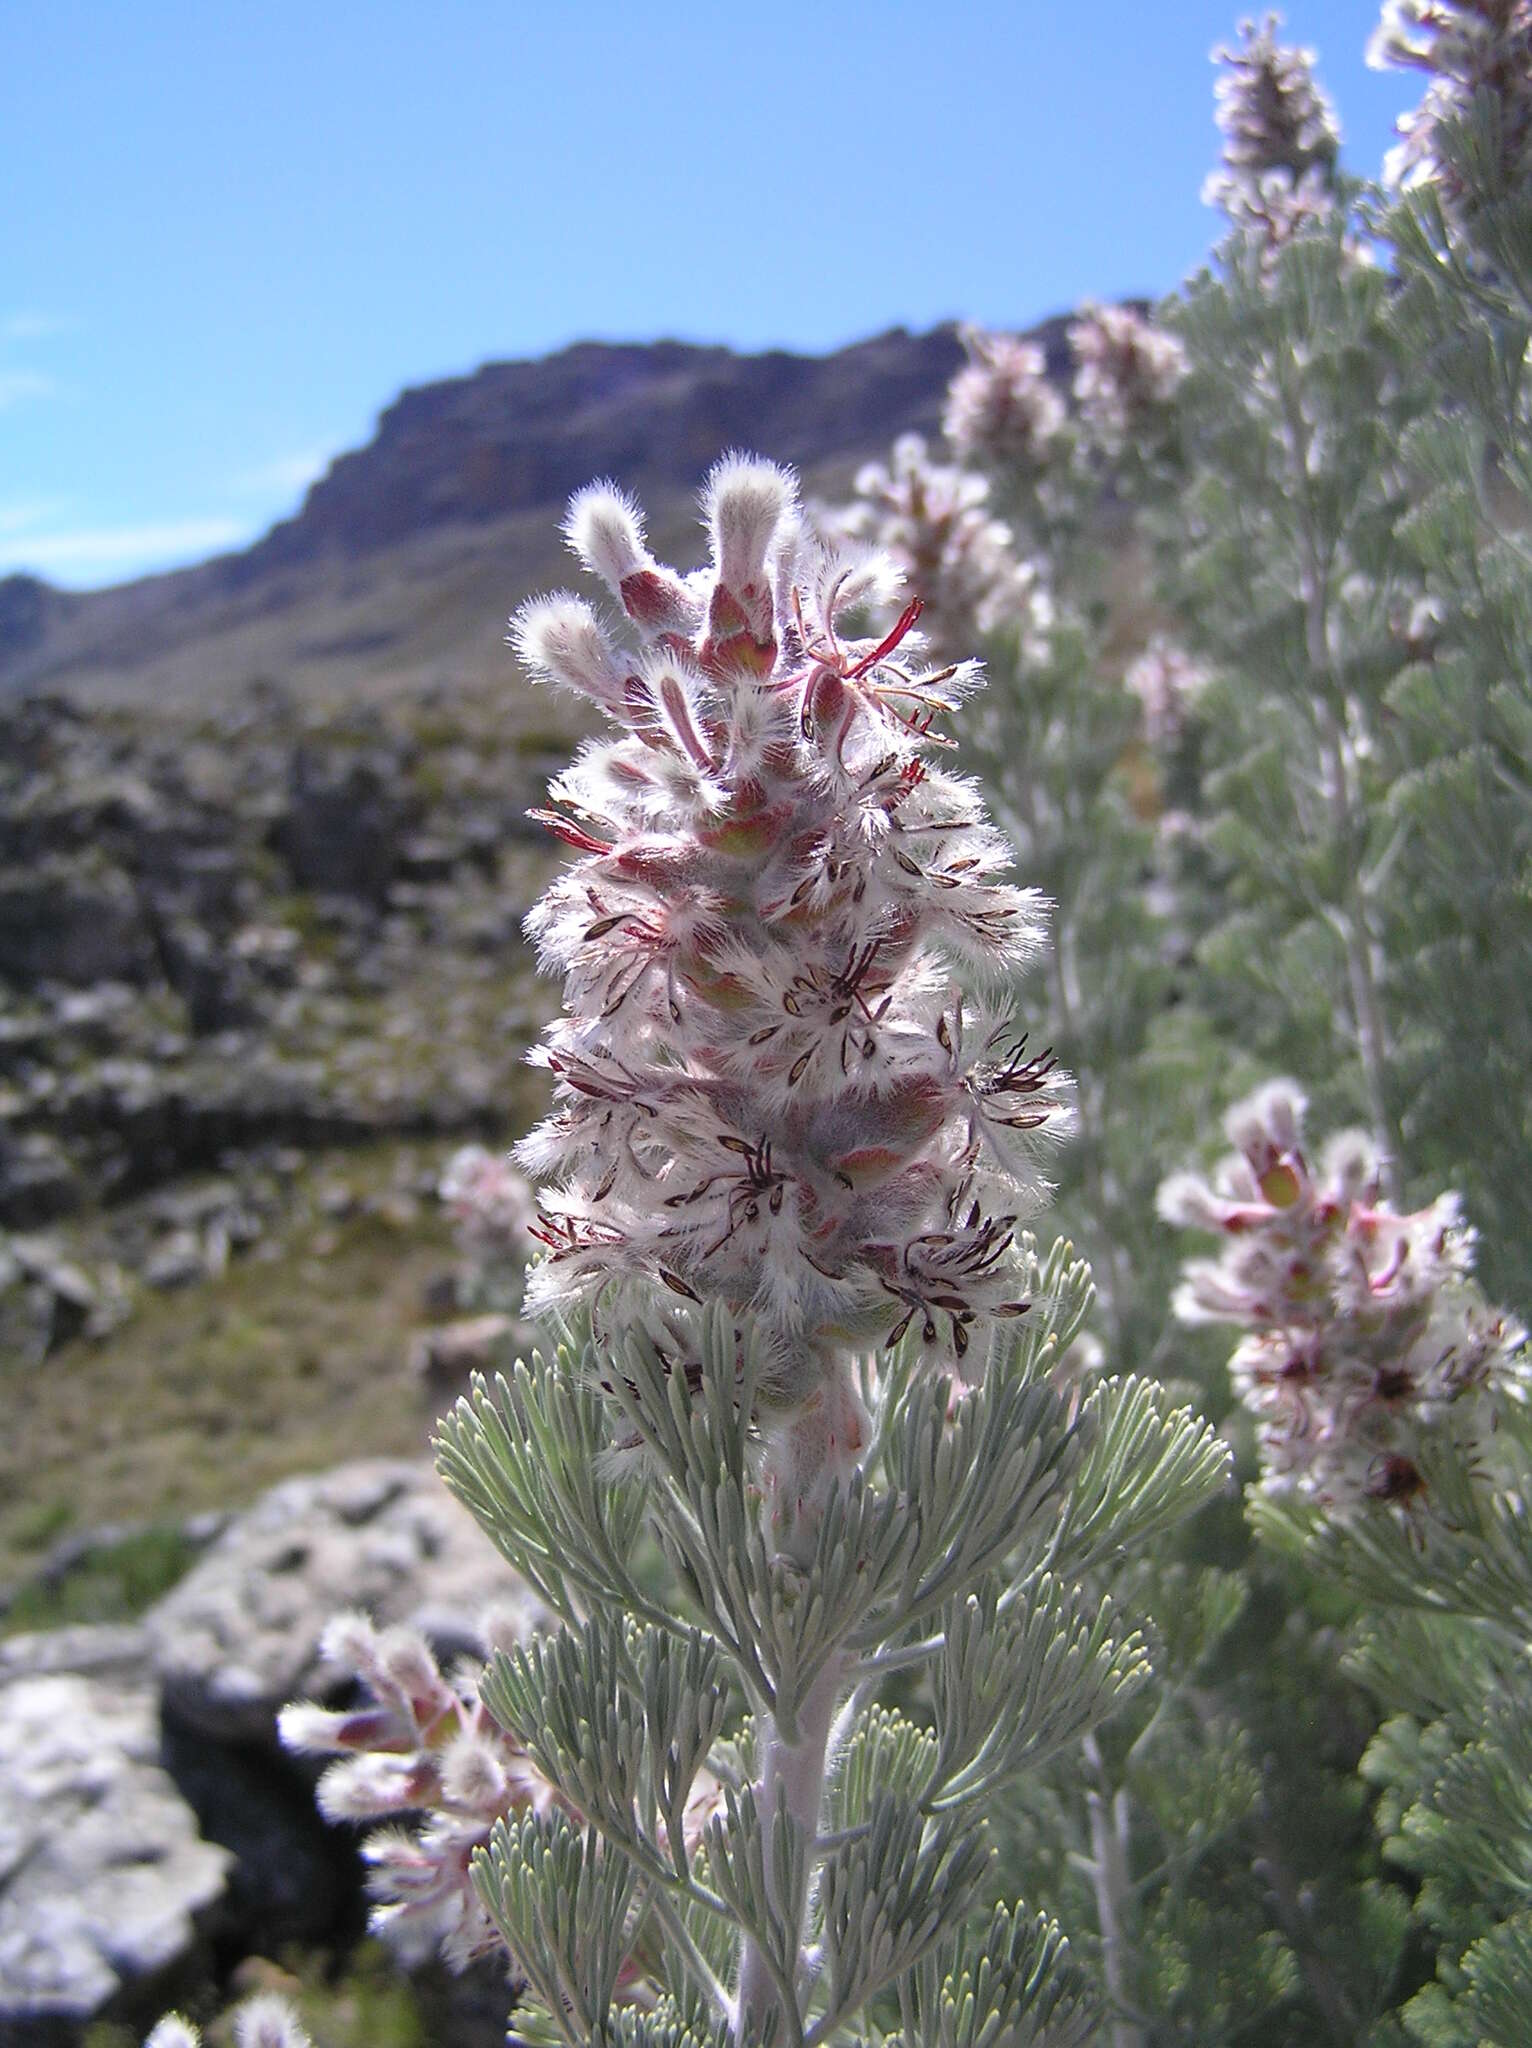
x: 399, y: 571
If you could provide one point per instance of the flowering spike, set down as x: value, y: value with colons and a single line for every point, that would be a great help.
x: 1127, y: 371
x: 1002, y: 412
x: 1281, y: 137
x: 754, y: 1106
x: 932, y: 522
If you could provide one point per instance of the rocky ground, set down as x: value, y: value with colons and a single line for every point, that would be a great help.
x: 157, y: 1845
x: 260, y: 972
x: 227, y: 950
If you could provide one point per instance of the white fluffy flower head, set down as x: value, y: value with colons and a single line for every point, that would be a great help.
x: 1281, y: 136
x: 768, y: 1091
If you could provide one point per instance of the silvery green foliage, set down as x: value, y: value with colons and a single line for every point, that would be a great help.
x: 1020, y: 1490
x: 1443, y: 1647
x: 1298, y: 393
x: 808, y: 1353
x: 1461, y: 710
x: 1354, y: 452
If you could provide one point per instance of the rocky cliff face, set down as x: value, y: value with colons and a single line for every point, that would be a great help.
x: 408, y: 546
x: 518, y: 436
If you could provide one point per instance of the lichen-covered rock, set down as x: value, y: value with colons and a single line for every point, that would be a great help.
x: 104, y: 1878
x: 239, y: 1636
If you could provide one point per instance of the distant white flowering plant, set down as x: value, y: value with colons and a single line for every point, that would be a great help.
x: 1003, y: 411
x: 1167, y: 683
x: 1281, y: 137
x: 1471, y: 51
x: 493, y: 1211
x: 934, y: 522
x: 1127, y: 373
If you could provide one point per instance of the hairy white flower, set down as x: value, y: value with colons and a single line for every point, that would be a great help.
x: 268, y: 2021
x: 174, y: 2032
x: 933, y: 522
x: 1281, y: 137
x: 1002, y: 411
x: 760, y: 1094
x: 560, y: 639
x: 1363, y: 1330
x: 1127, y: 371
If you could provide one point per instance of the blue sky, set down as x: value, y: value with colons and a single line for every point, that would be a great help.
x: 233, y: 230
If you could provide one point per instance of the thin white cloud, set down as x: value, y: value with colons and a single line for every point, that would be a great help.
x: 17, y: 386
x: 284, y: 473
x: 24, y: 515
x: 96, y: 554
x: 28, y: 323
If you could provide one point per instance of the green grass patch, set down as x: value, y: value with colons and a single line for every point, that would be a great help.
x: 209, y: 1395
x: 113, y: 1582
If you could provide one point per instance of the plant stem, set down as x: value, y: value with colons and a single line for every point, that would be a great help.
x: 1361, y: 968
x: 1363, y: 951
x: 793, y: 1772
x: 1113, y: 1887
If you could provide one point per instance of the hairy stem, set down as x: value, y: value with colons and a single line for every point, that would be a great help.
x: 1363, y: 951
x: 1362, y: 969
x: 794, y: 1774
x: 1112, y: 1882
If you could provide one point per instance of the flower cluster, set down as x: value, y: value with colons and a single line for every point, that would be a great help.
x: 1363, y: 1331
x: 265, y: 2021
x: 493, y: 1210
x: 933, y: 522
x: 772, y: 1091
x: 1281, y: 137
x: 1002, y: 411
x: 418, y: 1744
x: 1127, y: 371
x: 489, y: 1201
x: 1167, y: 682
x: 1468, y: 48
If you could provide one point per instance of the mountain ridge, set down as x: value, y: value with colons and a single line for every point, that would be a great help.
x: 399, y: 567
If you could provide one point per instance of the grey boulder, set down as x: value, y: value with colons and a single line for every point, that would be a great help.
x: 239, y: 1636
x: 105, y: 1881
